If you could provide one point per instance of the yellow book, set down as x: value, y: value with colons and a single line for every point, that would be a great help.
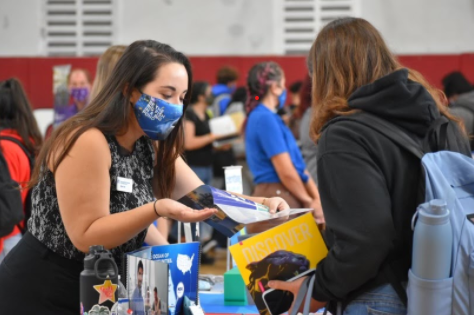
x: 280, y: 253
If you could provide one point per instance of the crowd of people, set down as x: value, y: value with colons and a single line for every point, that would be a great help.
x: 297, y: 153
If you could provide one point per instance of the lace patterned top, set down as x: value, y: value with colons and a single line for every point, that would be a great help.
x: 46, y: 223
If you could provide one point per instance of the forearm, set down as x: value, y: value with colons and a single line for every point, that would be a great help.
x: 311, y: 188
x: 154, y: 237
x: 252, y: 198
x: 198, y: 142
x: 164, y: 227
x: 118, y: 228
x: 294, y: 184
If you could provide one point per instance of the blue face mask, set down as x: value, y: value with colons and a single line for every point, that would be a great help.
x: 282, y: 99
x: 157, y: 117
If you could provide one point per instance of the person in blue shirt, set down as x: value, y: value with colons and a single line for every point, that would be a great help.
x: 222, y: 91
x: 273, y: 155
x: 137, y: 304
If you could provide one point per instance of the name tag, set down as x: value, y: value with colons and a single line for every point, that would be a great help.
x: 125, y: 184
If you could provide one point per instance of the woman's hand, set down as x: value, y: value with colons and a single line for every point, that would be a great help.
x: 318, y: 214
x: 294, y: 287
x: 276, y: 204
x: 171, y: 209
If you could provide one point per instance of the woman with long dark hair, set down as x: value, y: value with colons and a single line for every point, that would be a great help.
x: 97, y: 178
x: 20, y: 141
x: 273, y: 155
x: 368, y: 184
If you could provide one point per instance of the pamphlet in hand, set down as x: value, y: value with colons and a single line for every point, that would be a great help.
x: 234, y: 212
x: 227, y: 126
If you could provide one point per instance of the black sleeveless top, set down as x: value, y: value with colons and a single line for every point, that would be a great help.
x: 46, y: 223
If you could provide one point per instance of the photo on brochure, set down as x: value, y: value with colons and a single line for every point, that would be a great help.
x: 281, y: 253
x: 147, y: 285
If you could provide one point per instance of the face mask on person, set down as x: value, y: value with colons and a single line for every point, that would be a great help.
x: 210, y: 100
x: 282, y: 99
x: 80, y: 94
x: 157, y: 117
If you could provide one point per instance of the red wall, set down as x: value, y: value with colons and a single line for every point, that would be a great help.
x: 37, y: 75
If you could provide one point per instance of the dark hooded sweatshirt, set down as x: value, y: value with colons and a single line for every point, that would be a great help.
x: 369, y: 188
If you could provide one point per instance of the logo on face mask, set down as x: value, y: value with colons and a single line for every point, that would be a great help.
x: 153, y: 111
x: 157, y: 117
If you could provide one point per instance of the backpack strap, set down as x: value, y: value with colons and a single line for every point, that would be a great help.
x: 32, y: 164
x: 389, y: 130
x: 22, y: 146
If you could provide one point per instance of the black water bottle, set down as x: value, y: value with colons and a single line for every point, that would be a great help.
x: 99, y: 281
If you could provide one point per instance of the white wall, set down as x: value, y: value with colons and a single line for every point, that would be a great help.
x: 201, y: 27
x: 423, y: 26
x: 20, y: 27
x: 249, y: 27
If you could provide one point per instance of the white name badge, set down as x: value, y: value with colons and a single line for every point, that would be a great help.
x: 125, y: 184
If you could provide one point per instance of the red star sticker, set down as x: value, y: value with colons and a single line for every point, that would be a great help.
x: 106, y: 291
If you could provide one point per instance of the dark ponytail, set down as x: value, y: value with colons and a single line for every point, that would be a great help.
x: 259, y: 79
x: 16, y: 113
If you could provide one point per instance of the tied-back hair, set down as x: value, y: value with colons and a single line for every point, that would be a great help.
x: 111, y: 109
x: 258, y: 82
x: 16, y: 113
x: 347, y: 54
x: 199, y: 89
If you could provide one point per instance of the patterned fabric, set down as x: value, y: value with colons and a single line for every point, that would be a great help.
x: 46, y: 223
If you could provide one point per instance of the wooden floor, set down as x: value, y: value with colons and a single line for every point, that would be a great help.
x: 219, y: 266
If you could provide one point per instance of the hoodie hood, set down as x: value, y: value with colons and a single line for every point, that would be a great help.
x: 219, y: 89
x: 399, y: 100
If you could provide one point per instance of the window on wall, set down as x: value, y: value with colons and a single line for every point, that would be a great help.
x: 302, y: 20
x: 78, y: 27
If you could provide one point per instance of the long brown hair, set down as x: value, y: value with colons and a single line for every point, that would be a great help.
x: 105, y: 65
x: 16, y: 113
x: 349, y: 53
x: 110, y: 112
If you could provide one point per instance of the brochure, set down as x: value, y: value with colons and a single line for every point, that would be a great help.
x: 234, y: 212
x: 280, y: 253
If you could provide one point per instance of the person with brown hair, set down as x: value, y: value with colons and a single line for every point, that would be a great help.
x: 226, y: 82
x: 104, y: 177
x: 20, y: 141
x: 368, y: 184
x: 79, y: 85
x: 105, y: 65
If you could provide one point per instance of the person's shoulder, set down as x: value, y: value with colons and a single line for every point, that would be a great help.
x: 189, y: 114
x: 91, y: 143
x: 92, y: 137
x: 346, y: 135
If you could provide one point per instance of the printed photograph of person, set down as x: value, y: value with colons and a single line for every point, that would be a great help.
x: 156, y: 307
x: 158, y: 280
x: 137, y: 303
